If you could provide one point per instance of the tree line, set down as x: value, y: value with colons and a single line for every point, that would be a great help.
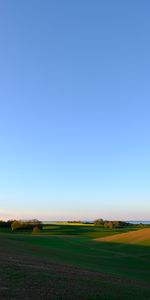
x: 19, y: 224
x: 111, y: 224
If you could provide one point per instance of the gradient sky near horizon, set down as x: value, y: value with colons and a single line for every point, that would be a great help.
x: 75, y: 109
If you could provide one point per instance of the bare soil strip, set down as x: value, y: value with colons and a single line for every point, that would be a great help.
x: 132, y: 237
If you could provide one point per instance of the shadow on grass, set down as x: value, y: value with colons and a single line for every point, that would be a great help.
x: 65, y: 268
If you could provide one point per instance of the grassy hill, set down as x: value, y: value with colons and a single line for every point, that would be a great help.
x: 66, y: 262
x: 139, y: 237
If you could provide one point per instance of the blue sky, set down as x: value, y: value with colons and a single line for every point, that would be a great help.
x: 75, y: 109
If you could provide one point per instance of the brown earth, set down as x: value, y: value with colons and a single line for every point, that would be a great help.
x: 27, y: 277
x: 131, y: 237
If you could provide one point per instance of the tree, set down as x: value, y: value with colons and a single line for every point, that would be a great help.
x: 99, y: 222
x: 109, y: 224
x: 36, y: 230
x: 15, y: 224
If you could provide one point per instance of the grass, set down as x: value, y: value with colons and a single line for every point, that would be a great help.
x: 87, y: 230
x: 66, y: 262
x: 70, y: 223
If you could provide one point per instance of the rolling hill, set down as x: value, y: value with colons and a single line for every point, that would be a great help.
x: 139, y: 237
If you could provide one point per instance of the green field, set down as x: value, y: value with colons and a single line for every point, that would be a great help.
x: 67, y: 262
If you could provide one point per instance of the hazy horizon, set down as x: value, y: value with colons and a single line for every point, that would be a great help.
x: 75, y: 109
x: 78, y: 217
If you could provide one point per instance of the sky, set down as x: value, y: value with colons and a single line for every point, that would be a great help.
x: 75, y: 109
